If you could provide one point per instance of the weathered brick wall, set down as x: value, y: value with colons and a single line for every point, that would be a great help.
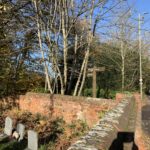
x: 119, y: 96
x: 69, y: 107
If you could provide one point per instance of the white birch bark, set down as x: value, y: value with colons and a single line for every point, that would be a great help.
x: 90, y: 37
x: 65, y: 40
x: 40, y: 46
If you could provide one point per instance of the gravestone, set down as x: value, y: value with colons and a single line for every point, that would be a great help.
x: 32, y: 140
x: 7, y: 129
x: 21, y: 131
x: 146, y: 119
x: 8, y: 126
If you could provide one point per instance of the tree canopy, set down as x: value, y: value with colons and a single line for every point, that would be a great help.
x: 48, y: 45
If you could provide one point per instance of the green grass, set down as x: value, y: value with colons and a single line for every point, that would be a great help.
x: 13, y: 145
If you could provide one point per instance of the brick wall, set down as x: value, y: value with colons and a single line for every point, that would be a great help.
x: 119, y: 96
x: 69, y: 107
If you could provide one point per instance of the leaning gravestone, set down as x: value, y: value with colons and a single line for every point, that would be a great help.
x: 32, y: 140
x: 8, y: 128
x: 21, y: 131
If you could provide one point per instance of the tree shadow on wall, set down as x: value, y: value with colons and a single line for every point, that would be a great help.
x: 124, y: 141
x: 51, y: 107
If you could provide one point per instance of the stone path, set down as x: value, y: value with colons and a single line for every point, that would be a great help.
x: 130, y: 145
x: 128, y: 136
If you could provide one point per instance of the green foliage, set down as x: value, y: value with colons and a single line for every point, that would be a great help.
x: 39, y: 90
x: 13, y: 145
x: 18, y: 67
x: 51, y: 146
x: 57, y: 128
x: 21, y: 65
x: 87, y: 92
x: 101, y: 93
x: 112, y: 94
x: 101, y: 113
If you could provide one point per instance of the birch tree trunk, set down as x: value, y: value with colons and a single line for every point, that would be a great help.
x: 84, y: 72
x: 65, y: 40
x: 122, y: 65
x: 122, y: 51
x: 40, y: 46
x: 80, y: 74
x: 90, y: 37
x: 55, y: 64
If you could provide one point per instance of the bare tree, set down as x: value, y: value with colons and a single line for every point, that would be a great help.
x: 60, y: 28
x: 40, y: 45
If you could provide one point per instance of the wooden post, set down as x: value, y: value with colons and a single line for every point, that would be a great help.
x: 94, y: 70
x: 94, y: 82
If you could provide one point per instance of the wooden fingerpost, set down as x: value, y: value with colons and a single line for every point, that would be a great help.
x: 92, y: 73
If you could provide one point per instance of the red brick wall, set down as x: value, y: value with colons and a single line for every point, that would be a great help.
x: 70, y: 108
x: 119, y: 96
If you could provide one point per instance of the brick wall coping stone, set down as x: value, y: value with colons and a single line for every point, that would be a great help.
x: 105, y: 130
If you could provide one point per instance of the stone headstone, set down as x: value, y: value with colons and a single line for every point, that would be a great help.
x: 32, y: 140
x: 21, y: 131
x: 8, y: 126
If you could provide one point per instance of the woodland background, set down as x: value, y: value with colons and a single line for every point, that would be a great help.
x: 48, y: 46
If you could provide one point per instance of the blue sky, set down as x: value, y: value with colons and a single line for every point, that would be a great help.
x: 142, y: 6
